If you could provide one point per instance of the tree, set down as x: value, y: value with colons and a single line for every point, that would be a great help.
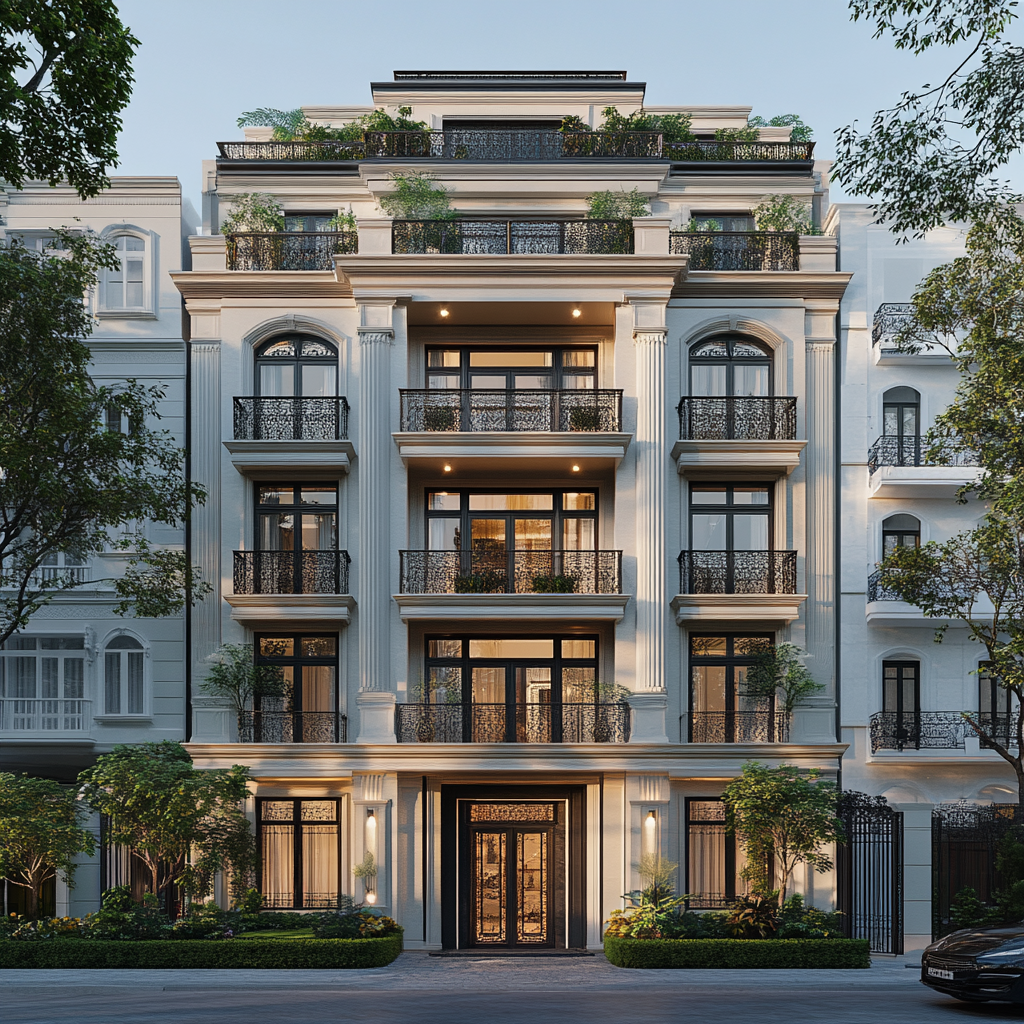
x: 930, y: 158
x: 778, y: 672
x: 236, y: 676
x: 621, y: 205
x: 417, y: 196
x: 183, y: 823
x: 65, y: 76
x: 41, y: 833
x: 784, y: 816
x: 67, y: 484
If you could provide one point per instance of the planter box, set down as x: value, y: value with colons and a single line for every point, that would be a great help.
x: 707, y: 954
x: 168, y: 954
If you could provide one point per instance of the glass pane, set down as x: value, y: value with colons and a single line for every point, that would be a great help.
x: 317, y: 350
x: 444, y: 685
x: 909, y: 420
x: 708, y: 687
x: 531, y: 887
x: 579, y: 357
x: 319, y: 532
x: 444, y: 649
x: 49, y: 681
x: 488, y: 686
x: 706, y: 845
x: 278, y: 849
x: 74, y: 678
x: 578, y: 534
x: 751, y: 645
x: 890, y: 421
x: 533, y: 685
x: 277, y: 810
x: 579, y: 501
x: 747, y: 350
x: 277, y: 379
x: 112, y: 684
x: 443, y: 501
x: 708, y: 533
x: 890, y: 688
x: 750, y: 380
x: 909, y: 680
x: 132, y: 244
x: 443, y: 357
x: 489, y: 887
x: 318, y: 690
x: 488, y: 382
x: 750, y: 533
x: 277, y: 647
x: 444, y: 534
x: 706, y: 495
x: 279, y: 349
x: 319, y: 646
x: 578, y: 685
x: 708, y: 646
x: 750, y: 495
x: 531, y: 534
x: 275, y: 495
x: 579, y: 648
x: 319, y: 495
x: 319, y: 864
x: 441, y: 381
x: 531, y: 382
x: 135, y: 689
x: 707, y: 381
x: 578, y: 381
x: 512, y: 648
x: 512, y: 502
x: 487, y: 535
x: 522, y: 357
x: 319, y: 381
x: 277, y: 533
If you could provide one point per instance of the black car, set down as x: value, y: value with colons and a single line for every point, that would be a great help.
x: 978, y: 965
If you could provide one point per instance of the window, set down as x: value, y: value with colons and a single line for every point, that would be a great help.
x: 714, y: 861
x: 721, y: 709
x: 900, y: 531
x: 42, y: 683
x: 901, y: 413
x: 300, y: 847
x: 297, y: 366
x: 124, y: 677
x: 512, y: 369
x: 125, y: 286
x: 307, y: 221
x: 308, y: 711
x: 901, y: 700
x: 63, y: 565
x: 723, y: 222
x: 730, y: 365
x: 730, y: 517
x: 297, y: 538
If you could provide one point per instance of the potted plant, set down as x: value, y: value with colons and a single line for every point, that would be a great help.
x: 554, y: 583
x: 484, y: 581
x: 439, y: 418
x: 585, y: 417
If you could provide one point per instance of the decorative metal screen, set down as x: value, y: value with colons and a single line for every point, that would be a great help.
x: 512, y: 812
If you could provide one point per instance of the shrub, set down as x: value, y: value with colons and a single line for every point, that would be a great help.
x: 619, y: 205
x: 583, y: 418
x: 737, y: 953
x: 439, y: 418
x: 488, y: 581
x: 554, y: 584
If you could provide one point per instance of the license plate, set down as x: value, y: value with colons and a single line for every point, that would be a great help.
x: 935, y: 972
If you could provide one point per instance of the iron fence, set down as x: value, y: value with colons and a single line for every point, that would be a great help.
x: 913, y: 450
x: 711, y: 150
x: 516, y: 723
x: 291, y: 572
x: 510, y: 572
x: 737, y: 572
x: 290, y: 419
x: 512, y: 237
x: 289, y: 250
x: 737, y: 250
x: 293, y: 727
x: 332, y: 150
x: 511, y: 410
x: 739, y: 418
x: 917, y: 730
x: 764, y: 726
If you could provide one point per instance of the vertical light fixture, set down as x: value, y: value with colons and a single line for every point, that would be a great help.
x: 651, y: 833
x: 370, y: 878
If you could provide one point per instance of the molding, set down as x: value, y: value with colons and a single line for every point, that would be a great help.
x: 126, y: 314
x: 492, y: 444
x: 512, y: 607
x: 920, y: 481
x: 779, y: 457
x: 257, y: 284
x: 798, y: 284
x: 264, y: 609
x: 258, y: 457
x: 746, y: 608
x: 900, y: 613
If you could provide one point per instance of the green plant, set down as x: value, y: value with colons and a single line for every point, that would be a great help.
x: 798, y: 921
x: 583, y: 417
x: 721, y: 954
x: 619, y: 205
x: 800, y: 131
x: 439, y: 418
x: 487, y: 581
x: 253, y: 212
x: 294, y: 126
x: 417, y: 196
x: 236, y: 675
x: 747, y: 134
x: 554, y: 584
x: 778, y: 672
x: 120, y: 917
x: 704, y: 224
x: 754, y: 916
x: 343, y: 221
x: 783, y: 213
x: 653, y: 908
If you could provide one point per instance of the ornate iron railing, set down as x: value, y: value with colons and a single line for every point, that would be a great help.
x: 737, y: 572
x: 520, y: 723
x: 737, y: 726
x: 738, y: 418
x: 511, y: 410
x: 291, y: 572
x: 889, y: 319
x: 21, y: 714
x: 917, y: 730
x: 877, y: 591
x: 512, y: 237
x: 913, y: 450
x: 737, y: 250
x: 511, y: 572
x: 1000, y: 726
x: 290, y: 419
x: 289, y: 250
x: 506, y: 146
x: 293, y: 727
x: 291, y: 150
x: 703, y: 151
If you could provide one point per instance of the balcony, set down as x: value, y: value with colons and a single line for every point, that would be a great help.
x: 275, y: 435
x: 290, y: 586
x: 529, y: 723
x: 568, y: 424
x: 511, y: 237
x: 899, y: 467
x: 742, y: 434
x: 710, y: 154
x: 737, y: 250
x: 737, y: 586
x: 516, y: 585
x: 889, y: 320
x: 289, y: 250
x: 293, y: 727
x: 31, y: 718
x: 917, y: 730
x: 735, y: 726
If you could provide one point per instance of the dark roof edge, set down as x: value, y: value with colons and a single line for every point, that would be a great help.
x: 521, y: 75
x: 505, y: 84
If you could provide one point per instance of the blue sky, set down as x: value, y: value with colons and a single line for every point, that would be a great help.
x: 202, y: 62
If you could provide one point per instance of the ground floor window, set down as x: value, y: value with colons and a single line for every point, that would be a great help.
x: 300, y: 852
x: 714, y: 860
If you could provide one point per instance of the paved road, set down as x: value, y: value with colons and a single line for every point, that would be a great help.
x: 429, y: 990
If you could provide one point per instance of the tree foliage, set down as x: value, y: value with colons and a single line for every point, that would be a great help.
x: 253, y: 211
x: 294, y: 126
x: 784, y: 815
x: 783, y: 213
x: 673, y: 127
x: 235, y: 675
x: 933, y: 156
x: 65, y: 76
x: 621, y: 205
x: 778, y: 672
x: 68, y: 485
x: 800, y: 132
x: 184, y: 823
x: 41, y: 833
x: 417, y: 196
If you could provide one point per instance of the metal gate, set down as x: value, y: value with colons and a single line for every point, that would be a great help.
x: 870, y: 871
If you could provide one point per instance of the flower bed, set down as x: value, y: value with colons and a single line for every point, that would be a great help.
x: 166, y: 954
x: 737, y: 953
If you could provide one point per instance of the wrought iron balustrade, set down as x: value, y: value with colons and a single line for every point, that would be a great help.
x: 737, y: 726
x: 289, y: 250
x: 1000, y: 726
x: 712, y: 150
x: 511, y: 572
x: 890, y: 318
x: 738, y: 418
x: 46, y: 715
x: 468, y: 410
x: 512, y: 237
x: 519, y: 723
x: 291, y: 572
x: 913, y: 450
x: 293, y: 727
x: 878, y: 591
x: 737, y: 572
x: 331, y: 150
x: 511, y: 145
x: 917, y: 730
x: 737, y: 250
x: 290, y: 419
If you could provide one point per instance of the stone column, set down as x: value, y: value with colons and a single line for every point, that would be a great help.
x: 376, y: 699
x: 650, y: 699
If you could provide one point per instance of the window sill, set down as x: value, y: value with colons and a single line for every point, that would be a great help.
x: 122, y: 719
x: 126, y: 314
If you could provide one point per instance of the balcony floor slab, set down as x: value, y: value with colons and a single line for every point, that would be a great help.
x: 920, y: 481
x: 707, y: 608
x: 729, y: 457
x: 253, y: 458
x: 594, y: 447
x: 512, y: 607
x: 315, y: 609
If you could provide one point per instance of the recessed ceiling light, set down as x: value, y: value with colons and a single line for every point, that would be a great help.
x: 444, y: 312
x: 575, y: 468
x: 577, y: 312
x: 447, y: 467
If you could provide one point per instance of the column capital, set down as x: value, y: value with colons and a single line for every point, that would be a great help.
x: 374, y: 336
x: 649, y: 337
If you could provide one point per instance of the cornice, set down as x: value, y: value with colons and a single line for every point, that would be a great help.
x: 797, y: 284
x: 258, y: 284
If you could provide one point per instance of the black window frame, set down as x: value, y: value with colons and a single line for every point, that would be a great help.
x: 298, y: 361
x: 296, y: 661
x: 326, y: 214
x: 730, y: 661
x: 730, y: 509
x: 298, y: 893
x: 557, y: 370
x: 906, y: 722
x: 730, y: 361
x: 723, y: 218
x: 296, y: 508
x: 899, y: 533
x: 708, y: 901
x: 900, y: 401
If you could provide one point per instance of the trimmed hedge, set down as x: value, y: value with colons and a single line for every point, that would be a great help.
x: 733, y: 953
x: 158, y: 954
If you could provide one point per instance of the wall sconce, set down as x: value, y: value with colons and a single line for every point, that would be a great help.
x: 368, y: 869
x: 651, y: 832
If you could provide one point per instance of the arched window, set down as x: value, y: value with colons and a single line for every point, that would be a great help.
x: 297, y: 365
x: 730, y: 365
x: 124, y: 287
x: 901, y: 413
x: 124, y: 690
x: 900, y: 531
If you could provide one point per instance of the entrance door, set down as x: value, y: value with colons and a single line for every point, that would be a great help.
x: 513, y: 877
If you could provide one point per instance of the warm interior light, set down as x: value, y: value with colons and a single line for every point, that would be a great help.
x: 575, y: 468
x: 444, y: 312
x: 447, y: 467
x: 577, y: 312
